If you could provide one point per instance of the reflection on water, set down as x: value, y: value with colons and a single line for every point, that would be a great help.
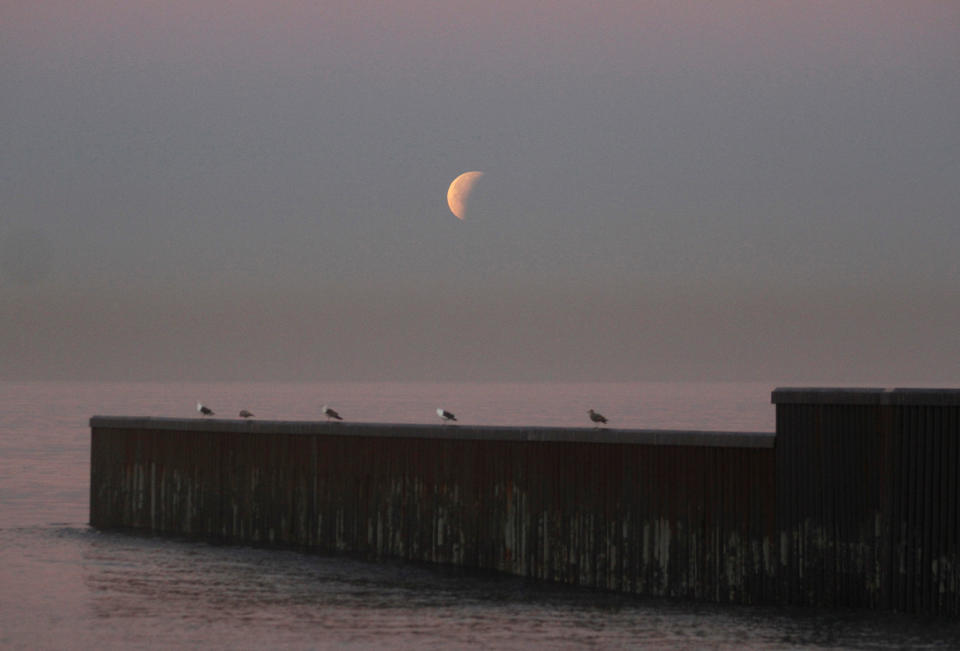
x: 122, y: 590
x: 146, y: 590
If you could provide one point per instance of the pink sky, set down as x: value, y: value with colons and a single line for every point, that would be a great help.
x: 691, y: 163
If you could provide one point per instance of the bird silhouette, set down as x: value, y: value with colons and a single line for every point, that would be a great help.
x: 597, y: 418
x: 445, y: 415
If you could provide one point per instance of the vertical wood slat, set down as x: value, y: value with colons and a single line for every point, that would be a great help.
x: 915, y: 549
x: 933, y: 562
x: 952, y: 463
x: 892, y: 599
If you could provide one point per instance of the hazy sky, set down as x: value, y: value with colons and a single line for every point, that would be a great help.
x: 673, y: 190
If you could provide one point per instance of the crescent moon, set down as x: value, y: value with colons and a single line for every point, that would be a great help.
x: 458, y: 194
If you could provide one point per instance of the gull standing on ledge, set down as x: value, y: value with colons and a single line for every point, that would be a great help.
x: 246, y: 414
x: 597, y: 418
x: 206, y: 411
x: 330, y: 412
x: 445, y: 415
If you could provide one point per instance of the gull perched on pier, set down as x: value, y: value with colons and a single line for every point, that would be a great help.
x: 245, y: 414
x: 330, y: 412
x: 597, y: 418
x: 203, y: 409
x: 445, y: 415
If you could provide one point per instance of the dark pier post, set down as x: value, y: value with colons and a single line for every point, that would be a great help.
x: 868, y: 498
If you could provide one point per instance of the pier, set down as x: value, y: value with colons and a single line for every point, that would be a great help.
x: 853, y: 501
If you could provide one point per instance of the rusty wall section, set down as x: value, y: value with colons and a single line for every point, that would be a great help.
x: 869, y: 498
x: 685, y: 514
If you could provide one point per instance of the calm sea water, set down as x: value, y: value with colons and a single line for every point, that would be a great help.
x: 64, y: 585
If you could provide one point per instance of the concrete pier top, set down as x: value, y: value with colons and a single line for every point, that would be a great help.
x: 692, y: 438
x: 865, y: 396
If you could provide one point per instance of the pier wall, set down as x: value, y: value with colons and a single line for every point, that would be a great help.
x: 854, y: 501
x: 683, y: 514
x: 868, y: 498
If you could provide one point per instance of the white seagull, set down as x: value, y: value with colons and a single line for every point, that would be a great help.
x: 206, y: 411
x: 445, y: 415
x: 597, y: 418
x: 330, y: 412
x: 246, y: 414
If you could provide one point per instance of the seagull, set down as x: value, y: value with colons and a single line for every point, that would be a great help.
x: 206, y: 411
x: 445, y: 415
x: 330, y: 412
x: 597, y: 418
x: 246, y: 414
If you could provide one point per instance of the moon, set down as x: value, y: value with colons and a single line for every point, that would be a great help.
x: 458, y: 194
